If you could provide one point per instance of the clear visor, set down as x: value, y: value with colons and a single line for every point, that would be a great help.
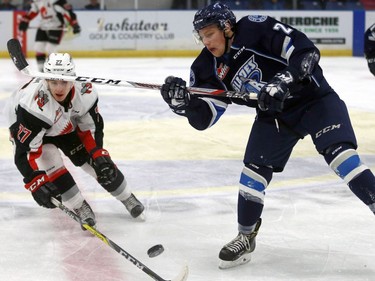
x: 197, y: 37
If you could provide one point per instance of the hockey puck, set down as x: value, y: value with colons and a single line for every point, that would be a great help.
x: 155, y: 250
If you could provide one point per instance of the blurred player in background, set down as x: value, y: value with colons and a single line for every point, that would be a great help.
x: 49, y: 116
x: 369, y: 49
x: 54, y: 16
x: 259, y: 54
x: 7, y: 5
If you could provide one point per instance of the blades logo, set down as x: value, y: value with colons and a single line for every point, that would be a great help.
x: 249, y: 71
x: 41, y: 99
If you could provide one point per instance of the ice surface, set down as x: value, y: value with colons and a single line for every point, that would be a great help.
x: 313, y: 228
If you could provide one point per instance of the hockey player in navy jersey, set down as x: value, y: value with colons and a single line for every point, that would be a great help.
x: 49, y: 116
x: 260, y: 54
x: 369, y: 48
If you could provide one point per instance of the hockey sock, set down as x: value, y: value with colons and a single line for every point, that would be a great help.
x: 253, y: 182
x: 363, y: 186
x: 40, y: 59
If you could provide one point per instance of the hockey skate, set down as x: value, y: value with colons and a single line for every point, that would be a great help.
x: 238, y: 251
x: 134, y: 207
x: 86, y: 214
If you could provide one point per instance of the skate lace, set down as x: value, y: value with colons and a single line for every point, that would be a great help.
x: 131, y: 202
x: 84, y: 212
x: 239, y: 243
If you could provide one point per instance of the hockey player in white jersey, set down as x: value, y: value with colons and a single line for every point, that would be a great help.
x: 49, y: 116
x: 54, y: 15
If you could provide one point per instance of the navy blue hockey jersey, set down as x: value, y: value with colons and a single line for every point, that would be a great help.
x: 262, y: 46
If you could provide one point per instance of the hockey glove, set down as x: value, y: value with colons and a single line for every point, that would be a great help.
x: 76, y: 28
x: 24, y: 24
x: 175, y: 94
x: 273, y: 95
x: 371, y: 63
x: 104, y: 167
x: 42, y: 190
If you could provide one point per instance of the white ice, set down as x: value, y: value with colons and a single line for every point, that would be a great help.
x: 313, y: 228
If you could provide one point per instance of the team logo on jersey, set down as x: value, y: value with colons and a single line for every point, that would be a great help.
x: 248, y: 77
x: 257, y: 18
x: 58, y: 115
x: 41, y: 99
x: 86, y: 88
x: 222, y: 71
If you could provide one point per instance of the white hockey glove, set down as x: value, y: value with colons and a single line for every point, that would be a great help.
x: 175, y: 94
x: 274, y: 93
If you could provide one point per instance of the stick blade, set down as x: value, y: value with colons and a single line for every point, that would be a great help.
x: 15, y: 53
x: 183, y: 275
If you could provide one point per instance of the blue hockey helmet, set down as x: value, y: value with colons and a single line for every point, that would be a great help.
x: 217, y: 13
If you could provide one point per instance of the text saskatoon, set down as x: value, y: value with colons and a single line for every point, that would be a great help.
x: 127, y: 25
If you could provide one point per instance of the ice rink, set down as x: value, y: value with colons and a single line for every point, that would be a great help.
x: 313, y: 227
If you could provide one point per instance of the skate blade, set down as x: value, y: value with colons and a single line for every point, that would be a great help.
x: 229, y: 264
x: 141, y: 217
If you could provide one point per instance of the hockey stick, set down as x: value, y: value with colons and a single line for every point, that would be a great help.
x: 19, y: 60
x: 48, y: 29
x: 182, y: 276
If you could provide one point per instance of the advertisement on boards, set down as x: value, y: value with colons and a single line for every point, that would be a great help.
x: 172, y: 30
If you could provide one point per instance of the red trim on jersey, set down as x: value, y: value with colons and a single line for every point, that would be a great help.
x: 33, y: 156
x: 67, y: 129
x: 31, y: 15
x: 69, y: 19
x: 87, y: 139
x: 58, y: 173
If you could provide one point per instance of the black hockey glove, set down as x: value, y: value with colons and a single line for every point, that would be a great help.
x: 175, y: 94
x: 371, y: 63
x: 42, y: 190
x: 104, y: 167
x: 274, y: 93
x: 24, y: 24
x: 76, y: 28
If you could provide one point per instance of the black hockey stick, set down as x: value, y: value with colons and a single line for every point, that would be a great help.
x: 15, y: 52
x: 182, y: 276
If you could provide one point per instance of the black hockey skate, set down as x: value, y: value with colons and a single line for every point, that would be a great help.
x: 133, y: 205
x: 238, y: 251
x: 86, y: 215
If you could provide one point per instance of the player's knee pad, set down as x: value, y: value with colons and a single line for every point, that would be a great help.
x: 344, y: 161
x: 253, y: 182
x: 50, y: 160
x: 116, y: 183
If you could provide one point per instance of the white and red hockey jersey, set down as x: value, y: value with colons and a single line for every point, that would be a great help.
x: 54, y: 14
x: 34, y: 114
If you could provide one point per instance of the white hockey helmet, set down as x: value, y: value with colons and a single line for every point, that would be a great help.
x: 59, y: 63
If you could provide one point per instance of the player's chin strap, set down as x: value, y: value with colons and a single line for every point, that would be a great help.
x: 227, y: 39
